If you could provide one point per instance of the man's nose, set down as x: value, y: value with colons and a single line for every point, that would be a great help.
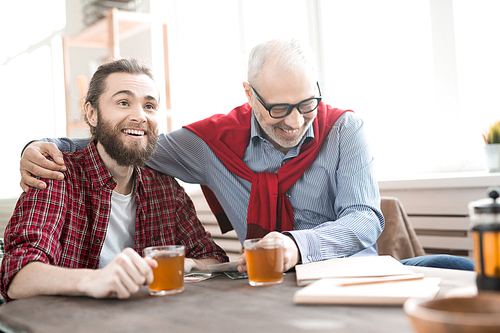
x: 138, y: 114
x: 295, y: 119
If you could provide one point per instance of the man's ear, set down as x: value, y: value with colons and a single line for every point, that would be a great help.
x: 248, y: 92
x: 91, y: 114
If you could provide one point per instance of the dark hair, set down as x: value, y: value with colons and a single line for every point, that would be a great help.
x: 97, y: 84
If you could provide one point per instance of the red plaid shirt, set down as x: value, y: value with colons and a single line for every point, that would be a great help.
x: 65, y: 224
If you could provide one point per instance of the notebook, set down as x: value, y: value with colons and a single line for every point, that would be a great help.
x: 351, y: 267
x: 328, y: 291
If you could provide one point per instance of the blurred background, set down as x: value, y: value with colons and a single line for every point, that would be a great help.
x: 424, y: 75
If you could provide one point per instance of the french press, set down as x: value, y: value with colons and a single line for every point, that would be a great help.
x: 485, y: 223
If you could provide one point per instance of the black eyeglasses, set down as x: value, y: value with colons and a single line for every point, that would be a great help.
x: 282, y: 110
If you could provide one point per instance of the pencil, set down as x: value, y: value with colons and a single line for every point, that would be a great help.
x: 386, y: 279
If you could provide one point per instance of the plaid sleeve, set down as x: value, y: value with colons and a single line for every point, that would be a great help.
x: 33, y: 231
x: 191, y: 233
x: 2, y: 251
x: 2, y: 248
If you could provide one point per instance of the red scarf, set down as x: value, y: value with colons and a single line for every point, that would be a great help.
x: 228, y: 136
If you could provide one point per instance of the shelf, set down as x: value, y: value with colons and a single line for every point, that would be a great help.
x: 107, y: 34
x: 97, y: 34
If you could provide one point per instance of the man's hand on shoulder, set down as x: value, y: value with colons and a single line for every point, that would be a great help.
x: 34, y: 163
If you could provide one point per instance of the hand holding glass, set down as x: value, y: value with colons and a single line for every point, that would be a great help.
x: 169, y: 275
x: 264, y: 258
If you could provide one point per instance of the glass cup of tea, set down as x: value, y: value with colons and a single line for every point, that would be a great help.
x: 485, y: 222
x: 169, y: 275
x: 264, y: 258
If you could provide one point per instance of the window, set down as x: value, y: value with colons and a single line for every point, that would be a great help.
x: 30, y: 68
x: 379, y: 62
x: 422, y: 74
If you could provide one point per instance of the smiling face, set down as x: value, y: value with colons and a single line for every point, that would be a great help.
x: 125, y: 120
x: 291, y: 87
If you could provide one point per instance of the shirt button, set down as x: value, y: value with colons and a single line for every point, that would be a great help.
x: 97, y: 241
x: 105, y: 207
x: 155, y: 238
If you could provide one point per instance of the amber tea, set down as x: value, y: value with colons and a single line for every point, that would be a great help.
x: 169, y: 275
x: 264, y: 261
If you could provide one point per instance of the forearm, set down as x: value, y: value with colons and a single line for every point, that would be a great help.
x: 37, y: 278
x: 63, y: 144
x: 199, y: 264
x: 67, y: 144
x: 343, y: 237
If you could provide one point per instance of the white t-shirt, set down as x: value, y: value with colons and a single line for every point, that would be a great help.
x: 121, y: 227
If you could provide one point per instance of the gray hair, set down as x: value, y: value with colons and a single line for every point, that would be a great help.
x: 286, y: 56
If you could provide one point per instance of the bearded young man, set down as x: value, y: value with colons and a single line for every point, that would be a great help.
x: 84, y: 235
x: 284, y: 165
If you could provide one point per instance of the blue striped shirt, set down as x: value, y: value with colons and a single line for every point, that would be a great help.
x: 336, y: 202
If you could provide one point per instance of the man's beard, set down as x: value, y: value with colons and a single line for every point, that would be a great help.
x: 271, y: 133
x: 125, y: 155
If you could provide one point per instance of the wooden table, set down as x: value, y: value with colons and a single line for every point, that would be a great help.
x: 215, y: 305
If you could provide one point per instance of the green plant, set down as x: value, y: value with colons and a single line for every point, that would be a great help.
x: 492, y: 135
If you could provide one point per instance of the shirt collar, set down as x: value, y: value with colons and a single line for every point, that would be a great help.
x: 99, y: 174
